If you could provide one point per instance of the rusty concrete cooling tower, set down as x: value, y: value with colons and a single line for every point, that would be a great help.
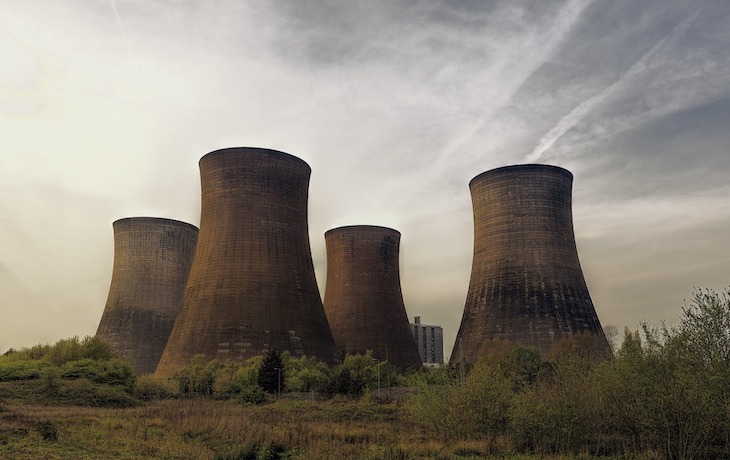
x: 152, y: 260
x: 526, y: 282
x: 252, y: 286
x: 363, y: 299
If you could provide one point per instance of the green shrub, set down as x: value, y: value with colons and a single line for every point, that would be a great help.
x: 251, y: 394
x: 481, y: 406
x: 83, y: 392
x: 110, y: 372
x: 51, y: 382
x: 73, y: 349
x: 305, y: 374
x: 231, y: 378
x: 15, y: 369
x: 149, y: 387
x: 430, y: 407
x: 198, y: 378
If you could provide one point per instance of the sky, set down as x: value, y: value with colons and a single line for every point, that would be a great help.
x: 106, y: 106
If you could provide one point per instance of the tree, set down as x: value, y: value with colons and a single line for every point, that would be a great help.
x: 611, y: 333
x: 271, y: 373
x: 704, y: 329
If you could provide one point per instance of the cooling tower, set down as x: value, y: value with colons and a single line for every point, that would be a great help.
x: 363, y: 299
x: 152, y: 260
x: 252, y: 286
x: 526, y: 283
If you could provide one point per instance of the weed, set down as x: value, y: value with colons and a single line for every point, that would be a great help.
x: 48, y: 430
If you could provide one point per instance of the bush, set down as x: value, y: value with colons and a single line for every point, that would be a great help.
x: 48, y: 430
x: 430, y: 407
x: 83, y: 392
x: 304, y: 374
x: 477, y: 409
x: 51, y: 382
x: 149, y: 388
x: 111, y: 372
x: 481, y: 406
x: 230, y: 379
x: 15, y: 369
x: 198, y: 378
x: 74, y: 349
x: 251, y: 394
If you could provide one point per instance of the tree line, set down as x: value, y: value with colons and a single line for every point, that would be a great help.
x: 665, y: 392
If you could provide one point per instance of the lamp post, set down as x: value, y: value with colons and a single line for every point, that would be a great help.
x: 377, y: 367
x: 278, y: 386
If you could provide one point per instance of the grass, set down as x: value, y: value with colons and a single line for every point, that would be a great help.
x: 221, y: 430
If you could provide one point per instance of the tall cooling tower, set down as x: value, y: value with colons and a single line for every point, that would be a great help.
x: 252, y: 286
x: 526, y: 282
x: 152, y: 260
x: 363, y: 299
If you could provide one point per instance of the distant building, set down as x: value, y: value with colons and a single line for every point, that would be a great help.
x: 430, y: 341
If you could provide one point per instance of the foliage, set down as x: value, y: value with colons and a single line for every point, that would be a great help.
x: 30, y: 363
x: 359, y: 374
x: 16, y: 369
x: 149, y: 387
x: 272, y: 375
x: 198, y: 377
x: 73, y: 349
x: 251, y: 394
x: 557, y: 414
x: 479, y: 407
x: 304, y: 374
x: 663, y: 394
x: 109, y: 372
x: 72, y: 371
x: 84, y: 392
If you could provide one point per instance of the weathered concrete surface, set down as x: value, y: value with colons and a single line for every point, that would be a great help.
x: 363, y: 298
x: 526, y: 281
x: 252, y: 286
x: 152, y: 260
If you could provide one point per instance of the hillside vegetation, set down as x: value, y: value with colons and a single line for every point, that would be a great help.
x: 665, y: 394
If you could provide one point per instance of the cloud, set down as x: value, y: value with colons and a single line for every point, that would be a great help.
x: 395, y: 106
x: 645, y: 64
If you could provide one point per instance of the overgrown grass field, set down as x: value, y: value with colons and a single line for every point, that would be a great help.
x: 663, y: 394
x: 203, y: 428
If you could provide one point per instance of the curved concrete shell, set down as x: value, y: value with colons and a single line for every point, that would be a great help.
x: 526, y: 281
x: 152, y: 260
x: 252, y: 286
x: 363, y: 298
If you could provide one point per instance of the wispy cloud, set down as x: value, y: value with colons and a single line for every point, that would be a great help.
x: 395, y: 105
x: 118, y: 19
x: 588, y: 106
x: 522, y: 57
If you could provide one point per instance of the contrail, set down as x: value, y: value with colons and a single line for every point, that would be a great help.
x: 577, y: 114
x: 119, y: 24
x: 566, y: 18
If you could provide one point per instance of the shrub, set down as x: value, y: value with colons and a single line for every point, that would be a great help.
x: 198, y: 377
x: 48, y: 430
x: 481, y: 406
x: 111, y: 372
x: 430, y: 407
x: 149, y: 388
x: 305, y: 374
x: 83, y: 392
x: 51, y: 382
x: 15, y: 369
x: 251, y: 394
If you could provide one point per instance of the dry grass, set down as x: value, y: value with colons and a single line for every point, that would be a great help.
x: 208, y: 429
